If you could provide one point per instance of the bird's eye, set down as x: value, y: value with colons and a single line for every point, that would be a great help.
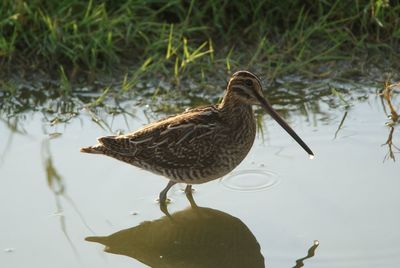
x: 248, y: 82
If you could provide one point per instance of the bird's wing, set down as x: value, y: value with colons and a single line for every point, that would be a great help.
x: 175, y: 140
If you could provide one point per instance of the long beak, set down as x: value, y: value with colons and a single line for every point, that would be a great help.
x: 267, y: 106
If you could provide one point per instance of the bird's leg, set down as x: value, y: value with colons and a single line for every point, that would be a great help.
x: 163, y: 199
x: 164, y: 209
x: 189, y: 196
x: 163, y: 194
x: 188, y: 189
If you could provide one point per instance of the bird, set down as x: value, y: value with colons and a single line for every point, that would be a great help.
x: 200, y: 144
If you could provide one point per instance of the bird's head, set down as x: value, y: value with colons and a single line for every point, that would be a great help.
x: 246, y: 88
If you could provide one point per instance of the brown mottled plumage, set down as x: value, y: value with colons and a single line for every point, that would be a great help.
x: 201, y: 144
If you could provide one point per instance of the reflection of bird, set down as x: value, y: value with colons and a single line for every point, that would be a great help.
x: 195, y: 237
x: 201, y: 144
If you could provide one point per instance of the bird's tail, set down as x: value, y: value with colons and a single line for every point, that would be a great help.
x: 97, y: 149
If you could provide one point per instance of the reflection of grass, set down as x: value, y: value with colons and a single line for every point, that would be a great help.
x: 56, y: 184
x: 310, y: 254
x: 344, y: 102
x: 307, y: 98
x: 341, y: 124
x: 14, y: 127
x: 389, y: 142
x: 387, y: 95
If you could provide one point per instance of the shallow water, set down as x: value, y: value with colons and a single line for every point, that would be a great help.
x: 60, y: 208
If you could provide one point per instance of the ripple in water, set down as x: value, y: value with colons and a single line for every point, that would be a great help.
x: 250, y: 180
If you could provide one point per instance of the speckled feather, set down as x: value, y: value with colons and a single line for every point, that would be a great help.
x: 194, y: 147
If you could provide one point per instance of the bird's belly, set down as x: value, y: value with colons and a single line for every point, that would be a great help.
x: 208, y: 167
x: 203, y: 159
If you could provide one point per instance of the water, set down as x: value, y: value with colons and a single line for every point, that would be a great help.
x: 60, y: 208
x: 250, y: 180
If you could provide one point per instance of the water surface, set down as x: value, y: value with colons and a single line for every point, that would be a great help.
x: 61, y: 208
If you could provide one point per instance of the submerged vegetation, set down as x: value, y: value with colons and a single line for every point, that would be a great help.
x: 125, y: 46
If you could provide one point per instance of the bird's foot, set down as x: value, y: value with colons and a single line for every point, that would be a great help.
x: 164, y: 201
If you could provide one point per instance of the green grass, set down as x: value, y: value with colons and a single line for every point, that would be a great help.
x: 138, y: 40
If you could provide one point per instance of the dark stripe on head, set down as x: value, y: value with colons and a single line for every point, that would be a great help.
x: 246, y: 74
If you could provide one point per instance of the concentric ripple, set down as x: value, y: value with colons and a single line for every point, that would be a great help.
x: 250, y: 180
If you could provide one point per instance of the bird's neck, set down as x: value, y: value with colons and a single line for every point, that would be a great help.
x: 232, y: 107
x: 240, y: 118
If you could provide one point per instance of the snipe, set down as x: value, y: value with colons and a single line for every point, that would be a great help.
x: 201, y: 144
